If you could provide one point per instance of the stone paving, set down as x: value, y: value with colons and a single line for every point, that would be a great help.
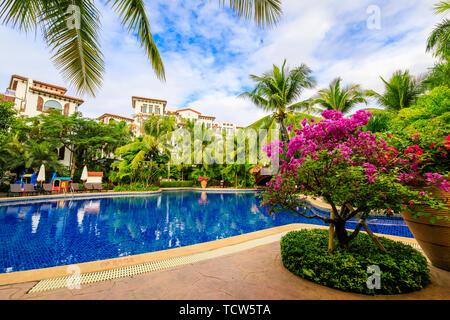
x: 257, y: 273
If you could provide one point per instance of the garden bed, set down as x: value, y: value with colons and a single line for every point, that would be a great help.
x: 403, y: 269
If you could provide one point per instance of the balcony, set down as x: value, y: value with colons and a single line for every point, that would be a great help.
x: 10, y: 92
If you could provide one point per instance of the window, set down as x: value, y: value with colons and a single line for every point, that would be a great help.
x: 144, y: 108
x: 61, y: 153
x: 150, y: 108
x: 52, y: 105
x: 156, y: 109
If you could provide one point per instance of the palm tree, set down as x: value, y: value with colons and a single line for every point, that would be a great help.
x: 71, y: 30
x: 439, y: 39
x: 439, y: 75
x: 401, y: 91
x: 277, y: 91
x: 337, y: 98
x: 144, y: 151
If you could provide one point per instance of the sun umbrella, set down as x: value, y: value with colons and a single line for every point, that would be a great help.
x: 41, y: 174
x: 84, y: 174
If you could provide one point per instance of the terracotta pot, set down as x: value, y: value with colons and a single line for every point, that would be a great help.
x: 203, y: 183
x: 434, y: 239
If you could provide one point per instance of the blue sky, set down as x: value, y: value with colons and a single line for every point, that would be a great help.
x: 209, y: 53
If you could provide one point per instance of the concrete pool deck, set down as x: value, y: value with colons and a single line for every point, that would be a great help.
x: 256, y: 274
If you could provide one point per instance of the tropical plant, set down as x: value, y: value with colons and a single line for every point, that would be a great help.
x: 347, y: 167
x: 81, y: 136
x: 380, y: 120
x: 7, y: 116
x: 277, y: 91
x: 438, y: 75
x: 71, y: 31
x: 400, y: 91
x: 339, y: 98
x: 425, y: 126
x: 141, y: 158
x: 439, y: 39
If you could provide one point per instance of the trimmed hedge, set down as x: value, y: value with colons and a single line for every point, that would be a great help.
x: 134, y: 187
x: 403, y: 269
x: 176, y: 184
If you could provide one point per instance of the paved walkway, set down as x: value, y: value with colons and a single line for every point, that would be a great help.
x: 257, y: 273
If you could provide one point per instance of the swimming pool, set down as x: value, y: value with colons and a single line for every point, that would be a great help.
x: 60, y: 232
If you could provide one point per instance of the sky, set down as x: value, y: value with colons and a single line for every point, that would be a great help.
x: 209, y: 52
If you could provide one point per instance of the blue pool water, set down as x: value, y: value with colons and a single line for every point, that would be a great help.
x: 53, y: 233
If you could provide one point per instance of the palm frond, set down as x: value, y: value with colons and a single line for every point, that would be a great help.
x: 22, y: 14
x: 441, y: 7
x: 76, y: 50
x: 263, y: 12
x: 135, y: 19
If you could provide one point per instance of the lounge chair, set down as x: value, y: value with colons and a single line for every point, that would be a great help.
x: 15, y: 189
x: 75, y: 187
x: 89, y: 186
x: 97, y: 186
x: 48, y: 188
x: 29, y: 189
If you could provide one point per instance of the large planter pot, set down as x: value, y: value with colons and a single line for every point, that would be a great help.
x: 433, y: 238
x: 203, y: 183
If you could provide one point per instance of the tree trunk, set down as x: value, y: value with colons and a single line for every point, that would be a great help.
x: 341, y: 233
x: 74, y: 157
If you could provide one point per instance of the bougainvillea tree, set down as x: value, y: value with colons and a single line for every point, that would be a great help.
x: 355, y: 172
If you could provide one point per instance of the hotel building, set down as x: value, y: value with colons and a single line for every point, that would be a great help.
x: 33, y: 97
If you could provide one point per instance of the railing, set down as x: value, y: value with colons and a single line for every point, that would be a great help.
x: 10, y: 92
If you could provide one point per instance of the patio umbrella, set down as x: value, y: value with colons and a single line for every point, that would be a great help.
x: 41, y: 174
x: 84, y: 174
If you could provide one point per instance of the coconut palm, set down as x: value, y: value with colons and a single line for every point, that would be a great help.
x: 71, y: 30
x: 277, y: 91
x: 439, y: 39
x: 339, y: 98
x: 401, y: 91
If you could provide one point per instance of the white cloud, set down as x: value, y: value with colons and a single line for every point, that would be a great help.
x: 208, y: 52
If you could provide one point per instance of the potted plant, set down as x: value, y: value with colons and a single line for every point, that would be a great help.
x: 431, y: 226
x: 203, y: 181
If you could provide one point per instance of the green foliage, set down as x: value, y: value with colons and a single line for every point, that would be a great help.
x: 339, y: 98
x: 176, y: 184
x: 426, y: 124
x: 380, y: 122
x: 143, y: 159
x: 138, y: 186
x: 431, y: 112
x: 400, y: 91
x: 403, y: 269
x: 7, y: 117
x: 277, y: 91
x: 438, y: 75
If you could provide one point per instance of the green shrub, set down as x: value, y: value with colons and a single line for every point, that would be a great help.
x: 135, y: 187
x: 403, y: 269
x: 176, y: 184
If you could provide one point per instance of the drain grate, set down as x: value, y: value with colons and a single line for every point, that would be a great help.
x: 86, y: 278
